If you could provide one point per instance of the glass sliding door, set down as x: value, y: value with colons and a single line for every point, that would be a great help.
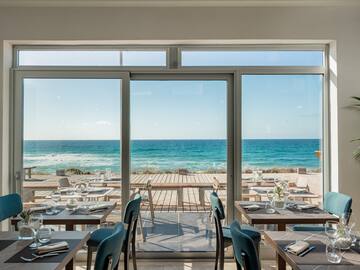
x: 68, y: 130
x: 178, y: 152
x: 282, y: 135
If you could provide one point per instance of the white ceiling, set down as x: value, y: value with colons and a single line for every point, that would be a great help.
x: 175, y: 3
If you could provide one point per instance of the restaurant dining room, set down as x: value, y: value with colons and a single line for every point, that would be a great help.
x: 180, y: 135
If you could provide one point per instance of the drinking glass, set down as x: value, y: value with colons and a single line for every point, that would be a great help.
x: 270, y: 196
x: 44, y: 235
x: 108, y: 174
x: 333, y: 253
x: 355, y: 237
x: 36, y: 221
x: 331, y: 230
x: 55, y: 197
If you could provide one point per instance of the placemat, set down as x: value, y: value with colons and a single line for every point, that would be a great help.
x: 261, y: 210
x: 315, y: 210
x: 26, y: 253
x: 314, y: 257
x: 5, y: 243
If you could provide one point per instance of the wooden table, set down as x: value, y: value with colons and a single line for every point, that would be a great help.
x: 16, y: 246
x: 70, y: 220
x: 277, y: 240
x: 282, y: 218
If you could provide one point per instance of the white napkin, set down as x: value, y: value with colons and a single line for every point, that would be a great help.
x: 96, y: 207
x: 306, y: 206
x: 251, y: 207
x: 40, y: 208
x: 298, y: 247
x: 52, y: 247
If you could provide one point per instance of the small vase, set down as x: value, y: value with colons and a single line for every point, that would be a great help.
x: 26, y: 231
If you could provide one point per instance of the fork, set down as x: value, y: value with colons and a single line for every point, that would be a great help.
x: 39, y: 257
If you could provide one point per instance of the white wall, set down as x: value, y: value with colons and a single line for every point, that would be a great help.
x: 341, y: 24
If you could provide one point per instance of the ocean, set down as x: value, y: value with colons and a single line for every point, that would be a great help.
x: 169, y: 155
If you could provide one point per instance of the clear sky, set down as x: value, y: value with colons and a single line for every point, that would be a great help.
x: 84, y: 109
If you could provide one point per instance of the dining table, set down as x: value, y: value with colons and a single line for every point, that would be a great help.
x: 12, y: 249
x: 71, y: 218
x: 283, y: 217
x: 314, y: 260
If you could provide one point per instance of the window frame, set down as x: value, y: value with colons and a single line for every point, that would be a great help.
x: 174, y: 67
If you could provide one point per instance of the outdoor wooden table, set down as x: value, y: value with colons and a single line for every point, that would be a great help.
x: 94, y: 193
x: 70, y: 219
x: 10, y: 246
x: 316, y: 259
x: 282, y: 218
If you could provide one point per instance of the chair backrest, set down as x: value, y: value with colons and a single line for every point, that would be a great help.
x: 338, y: 204
x: 10, y: 206
x: 109, y: 250
x: 64, y: 183
x: 217, y: 206
x: 131, y: 214
x: 244, y: 249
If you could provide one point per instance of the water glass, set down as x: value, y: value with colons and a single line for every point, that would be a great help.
x: 331, y: 230
x: 44, y: 235
x: 333, y: 253
x: 108, y: 174
x: 270, y: 196
x: 355, y: 236
x: 36, y: 221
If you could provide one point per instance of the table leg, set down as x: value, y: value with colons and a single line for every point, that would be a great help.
x: 202, y: 196
x: 70, y: 265
x: 280, y: 261
x: 180, y: 195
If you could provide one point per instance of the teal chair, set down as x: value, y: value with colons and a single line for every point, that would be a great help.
x: 245, y: 250
x: 130, y: 222
x: 10, y: 206
x: 335, y: 203
x: 223, y: 235
x: 109, y: 250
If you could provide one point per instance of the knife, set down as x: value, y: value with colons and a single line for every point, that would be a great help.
x: 302, y: 254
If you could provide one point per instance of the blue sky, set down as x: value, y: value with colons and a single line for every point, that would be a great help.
x: 84, y: 109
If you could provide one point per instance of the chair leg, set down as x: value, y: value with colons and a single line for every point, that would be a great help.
x: 222, y: 256
x: 89, y: 258
x: 217, y: 253
x: 142, y: 228
x: 133, y: 251
x: 151, y: 205
x: 126, y: 259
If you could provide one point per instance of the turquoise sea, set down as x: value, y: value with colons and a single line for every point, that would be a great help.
x: 169, y: 155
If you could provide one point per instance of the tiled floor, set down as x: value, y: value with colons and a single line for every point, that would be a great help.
x: 178, y: 232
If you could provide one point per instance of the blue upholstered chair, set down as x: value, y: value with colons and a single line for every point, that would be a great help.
x: 130, y: 222
x: 335, y: 203
x: 223, y: 235
x: 245, y: 251
x: 10, y: 206
x: 109, y: 250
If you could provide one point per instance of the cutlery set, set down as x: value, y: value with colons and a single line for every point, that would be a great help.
x: 49, y: 254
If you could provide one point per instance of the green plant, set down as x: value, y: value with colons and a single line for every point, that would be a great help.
x: 356, y: 106
x: 25, y: 215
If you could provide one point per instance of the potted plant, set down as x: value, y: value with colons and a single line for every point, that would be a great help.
x: 26, y: 231
x: 280, y: 196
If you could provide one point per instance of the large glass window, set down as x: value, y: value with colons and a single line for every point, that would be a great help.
x: 282, y: 134
x: 251, y: 58
x: 92, y: 58
x: 178, y: 153
x: 71, y: 136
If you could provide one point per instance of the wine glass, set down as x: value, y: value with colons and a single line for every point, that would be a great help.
x: 331, y: 228
x: 36, y: 221
x: 270, y: 196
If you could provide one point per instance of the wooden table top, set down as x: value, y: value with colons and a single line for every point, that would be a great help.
x: 67, y: 217
x: 283, y: 216
x: 350, y: 261
x: 18, y: 245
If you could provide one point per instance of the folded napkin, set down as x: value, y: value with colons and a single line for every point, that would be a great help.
x: 52, y: 247
x: 40, y: 208
x: 306, y: 206
x: 251, y: 207
x: 298, y: 247
x: 96, y: 207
